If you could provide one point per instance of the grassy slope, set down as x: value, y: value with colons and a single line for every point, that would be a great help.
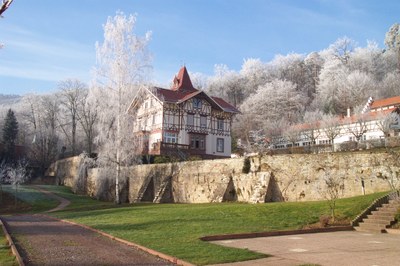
x: 175, y: 229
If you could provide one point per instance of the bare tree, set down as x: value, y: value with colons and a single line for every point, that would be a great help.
x: 88, y: 117
x: 71, y: 95
x: 330, y: 126
x: 122, y: 65
x: 357, y: 126
x: 312, y: 127
x: 40, y: 116
x: 387, y: 122
x: 5, y: 4
x: 292, y: 134
x: 390, y: 171
x: 333, y: 190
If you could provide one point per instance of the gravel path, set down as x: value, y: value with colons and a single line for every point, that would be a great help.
x: 43, y: 240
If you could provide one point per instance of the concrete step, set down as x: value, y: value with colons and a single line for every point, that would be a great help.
x: 388, y: 208
x: 383, y: 213
x: 369, y: 229
x: 377, y: 223
x: 379, y: 218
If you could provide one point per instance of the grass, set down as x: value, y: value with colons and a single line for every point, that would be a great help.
x: 175, y: 229
x: 30, y: 201
x: 6, y: 257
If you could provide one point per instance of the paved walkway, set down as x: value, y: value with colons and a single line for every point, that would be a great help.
x: 338, y: 248
x: 43, y: 240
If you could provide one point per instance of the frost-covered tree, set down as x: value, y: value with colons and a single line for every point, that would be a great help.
x: 254, y: 73
x: 392, y: 41
x: 355, y: 89
x: 275, y: 100
x: 332, y: 77
x: 17, y: 174
x: 227, y: 84
x: 390, y: 85
x: 342, y: 49
x: 72, y: 91
x: 122, y: 65
x: 313, y: 63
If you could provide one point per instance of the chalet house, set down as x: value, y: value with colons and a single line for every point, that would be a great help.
x: 182, y: 121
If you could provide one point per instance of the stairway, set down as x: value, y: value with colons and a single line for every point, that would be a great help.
x: 163, y: 187
x: 143, y: 189
x: 380, y: 219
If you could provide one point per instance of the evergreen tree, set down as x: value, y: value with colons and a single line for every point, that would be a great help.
x: 10, y: 133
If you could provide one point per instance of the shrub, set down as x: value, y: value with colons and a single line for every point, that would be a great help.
x: 324, y: 220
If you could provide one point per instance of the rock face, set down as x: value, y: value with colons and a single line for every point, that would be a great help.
x: 296, y: 177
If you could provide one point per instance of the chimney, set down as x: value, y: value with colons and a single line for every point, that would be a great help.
x: 348, y: 112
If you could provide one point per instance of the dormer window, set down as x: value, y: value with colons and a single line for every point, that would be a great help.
x: 196, y: 103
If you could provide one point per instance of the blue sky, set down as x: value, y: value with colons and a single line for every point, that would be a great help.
x: 46, y: 41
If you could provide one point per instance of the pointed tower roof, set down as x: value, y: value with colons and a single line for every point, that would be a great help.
x: 182, y: 81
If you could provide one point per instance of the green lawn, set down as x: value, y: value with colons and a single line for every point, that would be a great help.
x: 33, y: 201
x: 175, y: 229
x: 6, y: 257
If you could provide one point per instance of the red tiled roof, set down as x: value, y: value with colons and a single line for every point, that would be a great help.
x: 386, y: 102
x: 172, y: 96
x: 183, y: 90
x: 227, y: 107
x: 182, y: 81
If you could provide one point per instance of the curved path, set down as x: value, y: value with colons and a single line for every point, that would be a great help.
x: 44, y: 240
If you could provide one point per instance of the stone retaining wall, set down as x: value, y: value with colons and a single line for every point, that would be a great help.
x: 296, y: 177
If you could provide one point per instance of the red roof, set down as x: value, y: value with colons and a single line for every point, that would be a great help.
x: 182, y: 81
x: 227, y: 107
x: 394, y: 101
x: 183, y: 90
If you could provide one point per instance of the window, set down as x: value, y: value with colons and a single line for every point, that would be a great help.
x: 154, y: 120
x: 220, y: 124
x: 197, y: 142
x: 220, y: 145
x: 170, y: 137
x: 203, y: 121
x: 196, y: 103
x: 190, y: 120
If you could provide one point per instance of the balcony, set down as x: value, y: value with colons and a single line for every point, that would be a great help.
x: 160, y: 148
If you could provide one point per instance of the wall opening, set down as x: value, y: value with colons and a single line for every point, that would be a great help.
x: 230, y: 194
x: 274, y: 193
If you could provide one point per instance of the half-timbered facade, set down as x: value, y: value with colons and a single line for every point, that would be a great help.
x: 182, y: 121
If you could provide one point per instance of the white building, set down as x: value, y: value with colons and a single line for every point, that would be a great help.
x: 379, y: 119
x: 182, y: 121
